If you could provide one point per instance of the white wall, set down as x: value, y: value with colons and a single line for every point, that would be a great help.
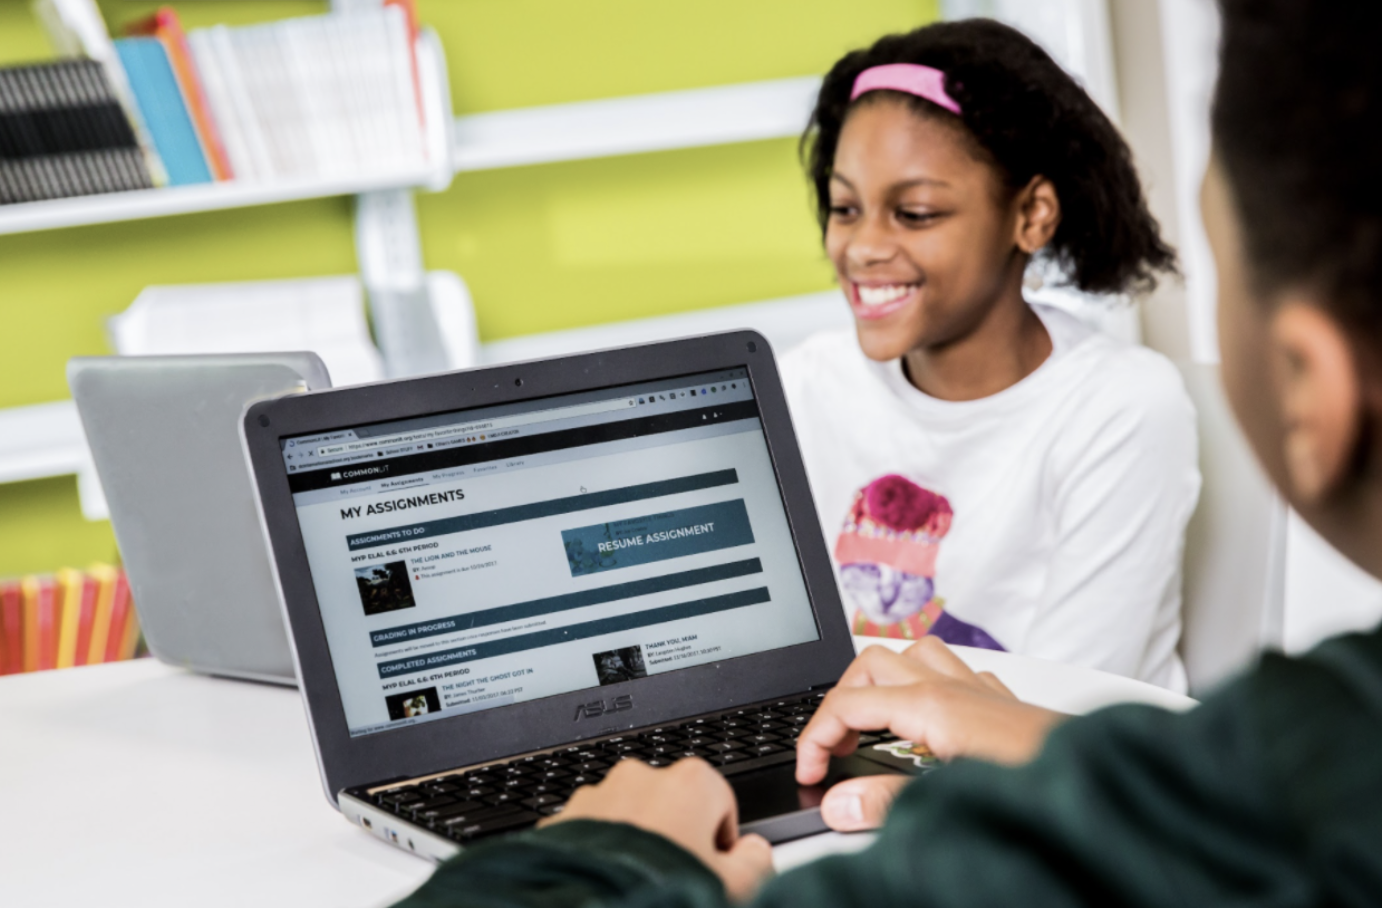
x: 1326, y: 594
x: 1074, y: 32
x: 1189, y: 43
x: 1151, y: 64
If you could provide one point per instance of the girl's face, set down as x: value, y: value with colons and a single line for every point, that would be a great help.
x: 921, y: 232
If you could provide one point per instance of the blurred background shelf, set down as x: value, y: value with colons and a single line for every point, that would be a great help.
x: 746, y: 112
x: 153, y: 203
x: 41, y: 441
x: 112, y: 207
x: 46, y: 440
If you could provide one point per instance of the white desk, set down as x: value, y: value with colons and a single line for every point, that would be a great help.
x: 141, y: 784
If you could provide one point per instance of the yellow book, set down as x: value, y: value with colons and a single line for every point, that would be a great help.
x: 130, y: 645
x: 69, y: 593
x: 29, y: 587
x: 105, y: 577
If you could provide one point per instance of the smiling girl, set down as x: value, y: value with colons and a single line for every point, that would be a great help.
x: 997, y: 474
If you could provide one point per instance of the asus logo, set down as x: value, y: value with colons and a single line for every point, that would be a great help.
x: 597, y: 708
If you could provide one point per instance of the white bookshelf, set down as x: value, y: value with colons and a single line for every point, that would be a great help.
x: 153, y: 203
x: 633, y: 125
x: 112, y: 207
x: 46, y: 440
x: 41, y: 441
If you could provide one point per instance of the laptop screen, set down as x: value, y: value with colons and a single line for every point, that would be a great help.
x: 485, y: 557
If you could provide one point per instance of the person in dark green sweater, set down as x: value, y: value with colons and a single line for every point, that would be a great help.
x: 1270, y: 792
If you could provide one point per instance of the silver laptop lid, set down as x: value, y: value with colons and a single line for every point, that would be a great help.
x: 164, y: 436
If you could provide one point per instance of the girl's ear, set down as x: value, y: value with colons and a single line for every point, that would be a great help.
x: 1320, y: 398
x: 1038, y: 214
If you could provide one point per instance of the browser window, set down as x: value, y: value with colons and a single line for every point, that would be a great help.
x: 475, y: 559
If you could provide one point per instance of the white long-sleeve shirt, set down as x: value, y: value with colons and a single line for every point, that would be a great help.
x: 1070, y: 490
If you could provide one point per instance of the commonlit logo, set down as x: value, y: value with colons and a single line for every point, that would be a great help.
x: 362, y: 471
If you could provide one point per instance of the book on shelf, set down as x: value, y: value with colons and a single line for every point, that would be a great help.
x: 167, y: 115
x: 122, y: 640
x: 77, y: 31
x: 105, y: 578
x: 330, y: 96
x: 63, y: 133
x: 327, y: 96
x: 164, y: 25
x: 72, y: 618
x: 41, y: 623
x: 11, y: 629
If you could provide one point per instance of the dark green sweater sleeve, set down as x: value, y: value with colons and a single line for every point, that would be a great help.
x: 1270, y: 793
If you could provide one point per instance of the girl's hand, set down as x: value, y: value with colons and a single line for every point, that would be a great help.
x: 689, y: 803
x: 926, y: 695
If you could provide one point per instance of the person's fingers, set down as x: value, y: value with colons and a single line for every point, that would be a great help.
x: 716, y: 797
x: 861, y: 803
x: 858, y: 673
x: 826, y: 735
x: 936, y: 656
x: 834, y: 729
x: 592, y: 801
x: 879, y: 665
x: 992, y: 683
x: 745, y: 867
x: 624, y: 769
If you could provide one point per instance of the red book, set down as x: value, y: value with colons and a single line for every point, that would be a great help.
x: 164, y: 26
x: 120, y: 614
x: 47, y: 620
x: 85, y: 618
x: 11, y: 630
x: 409, y: 8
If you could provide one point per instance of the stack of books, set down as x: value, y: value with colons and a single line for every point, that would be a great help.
x: 67, y: 619
x: 331, y: 96
x: 64, y: 133
x: 324, y: 96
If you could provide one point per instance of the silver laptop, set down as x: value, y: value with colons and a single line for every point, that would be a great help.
x: 164, y: 435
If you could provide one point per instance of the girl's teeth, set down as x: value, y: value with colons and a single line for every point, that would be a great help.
x: 878, y: 296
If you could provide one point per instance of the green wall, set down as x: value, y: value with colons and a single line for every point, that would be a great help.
x: 542, y: 248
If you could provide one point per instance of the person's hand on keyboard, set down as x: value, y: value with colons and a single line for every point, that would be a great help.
x: 689, y: 803
x: 926, y: 695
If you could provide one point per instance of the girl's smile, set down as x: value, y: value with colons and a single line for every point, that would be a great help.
x: 877, y: 300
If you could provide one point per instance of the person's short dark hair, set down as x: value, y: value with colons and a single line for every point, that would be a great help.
x: 1297, y: 124
x: 1027, y: 117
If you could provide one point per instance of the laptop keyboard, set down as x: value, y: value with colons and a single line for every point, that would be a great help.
x: 511, y: 795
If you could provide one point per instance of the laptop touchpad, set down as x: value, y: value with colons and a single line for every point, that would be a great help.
x: 773, y: 805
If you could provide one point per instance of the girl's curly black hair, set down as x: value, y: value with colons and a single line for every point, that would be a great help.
x: 1028, y: 118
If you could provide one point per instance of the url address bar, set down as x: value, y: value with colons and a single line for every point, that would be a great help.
x: 500, y: 422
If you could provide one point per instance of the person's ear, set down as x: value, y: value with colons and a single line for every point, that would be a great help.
x: 1320, y: 398
x: 1038, y: 214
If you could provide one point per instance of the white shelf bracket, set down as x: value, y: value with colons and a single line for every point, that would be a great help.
x: 389, y: 251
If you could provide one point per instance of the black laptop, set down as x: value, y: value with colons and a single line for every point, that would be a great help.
x: 501, y: 582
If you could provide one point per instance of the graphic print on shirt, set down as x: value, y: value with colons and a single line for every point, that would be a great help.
x: 887, y: 557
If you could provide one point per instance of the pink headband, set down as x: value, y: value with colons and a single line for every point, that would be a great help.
x: 922, y: 81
